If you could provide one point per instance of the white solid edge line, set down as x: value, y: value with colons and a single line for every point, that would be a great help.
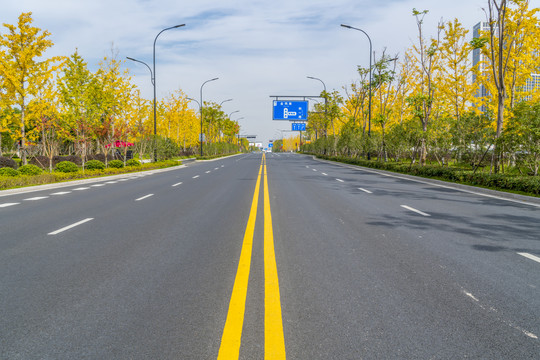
x: 415, y: 210
x: 8, y: 204
x: 144, y: 197
x: 524, y: 202
x: 70, y: 226
x: 530, y: 256
x: 366, y: 191
x: 177, y: 184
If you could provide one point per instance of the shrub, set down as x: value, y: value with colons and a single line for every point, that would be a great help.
x: 73, y: 158
x: 116, y: 164
x: 41, y: 161
x: 133, y: 162
x: 30, y: 169
x: 95, y: 165
x: 7, y: 171
x: 67, y: 167
x: 7, y: 162
x: 100, y: 157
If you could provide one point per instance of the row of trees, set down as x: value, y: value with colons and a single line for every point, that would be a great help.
x: 58, y: 105
x: 425, y: 106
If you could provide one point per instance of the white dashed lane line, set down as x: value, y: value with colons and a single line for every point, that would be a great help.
x: 70, y: 226
x: 97, y: 185
x: 530, y: 256
x: 61, y: 193
x: 207, y: 172
x: 36, y: 198
x: 340, y: 180
x: 8, y: 204
x: 81, y: 189
x: 325, y: 174
x: 216, y: 168
x: 177, y: 184
x: 415, y: 210
x: 196, y: 176
x: 144, y: 197
x: 365, y: 190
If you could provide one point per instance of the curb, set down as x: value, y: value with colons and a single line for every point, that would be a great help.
x: 35, y: 188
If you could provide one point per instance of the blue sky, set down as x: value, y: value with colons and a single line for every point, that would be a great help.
x: 256, y: 48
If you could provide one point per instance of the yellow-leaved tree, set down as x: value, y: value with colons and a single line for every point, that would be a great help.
x: 22, y: 67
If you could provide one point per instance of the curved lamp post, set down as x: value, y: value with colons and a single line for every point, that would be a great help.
x: 200, y: 110
x: 224, y: 101
x: 370, y: 70
x: 153, y: 78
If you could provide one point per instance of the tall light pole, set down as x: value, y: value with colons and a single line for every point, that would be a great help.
x: 370, y: 70
x: 325, y: 105
x: 153, y: 78
x: 200, y: 110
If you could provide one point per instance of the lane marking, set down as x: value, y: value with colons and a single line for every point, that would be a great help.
x: 81, y: 189
x: 196, y: 176
x: 180, y: 183
x: 8, y: 204
x: 274, y: 339
x: 340, y: 180
x: 232, y: 332
x: 325, y: 174
x: 504, y: 321
x: 126, y: 179
x: 97, y: 185
x: 530, y: 256
x: 366, y: 191
x: 216, y: 168
x: 222, y: 165
x: 207, y: 172
x: 144, y: 197
x: 360, y: 168
x: 61, y: 193
x: 415, y: 210
x: 314, y: 169
x: 36, y: 198
x: 70, y: 226
x: 111, y: 182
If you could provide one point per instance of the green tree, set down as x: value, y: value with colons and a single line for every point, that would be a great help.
x: 21, y: 66
x: 80, y: 94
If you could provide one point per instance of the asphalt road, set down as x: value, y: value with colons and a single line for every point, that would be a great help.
x: 369, y: 266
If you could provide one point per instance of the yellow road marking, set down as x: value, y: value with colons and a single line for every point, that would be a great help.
x: 274, y: 341
x: 232, y: 333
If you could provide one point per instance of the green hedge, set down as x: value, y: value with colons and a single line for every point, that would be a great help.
x: 524, y: 184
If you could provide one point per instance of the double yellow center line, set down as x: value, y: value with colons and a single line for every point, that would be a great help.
x: 274, y: 341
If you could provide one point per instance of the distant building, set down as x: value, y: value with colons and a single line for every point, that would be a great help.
x: 531, y: 84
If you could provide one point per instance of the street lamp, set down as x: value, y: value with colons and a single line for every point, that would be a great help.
x: 224, y: 101
x: 234, y: 112
x: 153, y: 78
x: 370, y: 70
x: 325, y: 106
x: 200, y: 110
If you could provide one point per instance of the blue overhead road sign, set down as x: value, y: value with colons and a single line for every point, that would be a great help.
x: 298, y: 126
x: 290, y: 110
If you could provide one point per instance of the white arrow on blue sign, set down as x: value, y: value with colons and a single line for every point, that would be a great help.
x: 290, y: 110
